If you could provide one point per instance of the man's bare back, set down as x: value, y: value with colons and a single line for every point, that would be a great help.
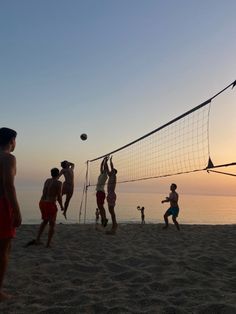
x: 51, y: 190
x: 69, y: 175
x: 68, y: 172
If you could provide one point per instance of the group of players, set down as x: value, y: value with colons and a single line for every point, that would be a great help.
x: 53, y: 189
x: 110, y: 174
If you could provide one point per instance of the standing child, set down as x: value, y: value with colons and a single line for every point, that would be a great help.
x: 174, y: 207
x: 142, y: 214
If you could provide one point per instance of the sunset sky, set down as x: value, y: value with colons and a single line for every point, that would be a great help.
x: 116, y: 70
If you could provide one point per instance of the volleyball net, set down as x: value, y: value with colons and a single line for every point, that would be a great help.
x: 179, y: 146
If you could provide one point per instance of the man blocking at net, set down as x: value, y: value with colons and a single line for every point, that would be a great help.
x: 100, y: 194
x: 111, y: 196
x: 174, y: 207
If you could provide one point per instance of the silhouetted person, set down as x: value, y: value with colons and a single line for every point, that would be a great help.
x: 174, y: 207
x: 68, y: 185
x: 10, y: 215
x: 142, y: 214
x: 111, y: 196
x: 52, y: 193
x: 100, y: 194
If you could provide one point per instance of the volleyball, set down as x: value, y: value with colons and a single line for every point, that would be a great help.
x: 83, y: 137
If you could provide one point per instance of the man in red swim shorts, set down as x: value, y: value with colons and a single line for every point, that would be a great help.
x: 52, y: 193
x: 10, y: 216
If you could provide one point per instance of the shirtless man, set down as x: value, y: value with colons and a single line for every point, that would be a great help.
x: 10, y: 216
x: 111, y: 196
x: 51, y: 194
x: 68, y: 184
x: 174, y: 207
x: 100, y: 194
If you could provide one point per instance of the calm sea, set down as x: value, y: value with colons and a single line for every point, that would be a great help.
x: 194, y: 209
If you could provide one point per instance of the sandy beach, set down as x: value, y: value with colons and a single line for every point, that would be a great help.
x: 142, y: 269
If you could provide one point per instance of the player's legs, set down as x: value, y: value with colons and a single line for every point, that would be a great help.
x: 41, y: 229
x: 176, y: 222
x: 67, y: 201
x: 100, y: 203
x: 103, y: 215
x: 113, y: 217
x: 67, y: 190
x: 166, y: 215
x: 63, y: 192
x: 5, y: 245
x: 50, y: 232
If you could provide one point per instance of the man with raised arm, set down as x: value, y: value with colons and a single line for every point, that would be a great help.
x: 142, y: 214
x: 111, y: 196
x: 174, y: 207
x: 52, y: 193
x: 100, y: 194
x: 10, y: 215
x: 68, y: 185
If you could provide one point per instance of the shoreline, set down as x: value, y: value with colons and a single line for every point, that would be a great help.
x: 131, y: 223
x: 141, y: 269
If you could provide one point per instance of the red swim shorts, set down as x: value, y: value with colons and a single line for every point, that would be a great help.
x: 48, y: 210
x: 6, y: 219
x: 100, y: 198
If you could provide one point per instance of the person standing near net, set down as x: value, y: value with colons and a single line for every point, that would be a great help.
x: 10, y: 215
x: 174, y: 207
x: 142, y: 214
x: 100, y: 194
x: 68, y: 185
x: 52, y: 193
x: 111, y: 196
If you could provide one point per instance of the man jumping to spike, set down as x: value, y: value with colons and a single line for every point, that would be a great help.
x: 68, y: 185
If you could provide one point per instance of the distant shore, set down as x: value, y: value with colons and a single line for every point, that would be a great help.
x: 142, y: 269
